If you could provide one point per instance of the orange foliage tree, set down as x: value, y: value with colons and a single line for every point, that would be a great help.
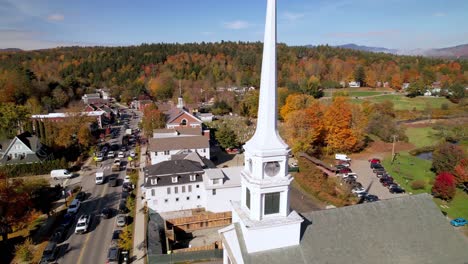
x: 337, y: 121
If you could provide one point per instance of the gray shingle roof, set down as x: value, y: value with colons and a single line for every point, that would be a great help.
x: 164, y: 171
x: 177, y: 143
x: 409, y: 229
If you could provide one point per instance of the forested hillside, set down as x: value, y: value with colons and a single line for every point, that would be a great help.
x: 47, y: 79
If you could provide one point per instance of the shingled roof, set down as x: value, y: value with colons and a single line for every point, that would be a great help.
x: 176, y: 143
x: 409, y: 229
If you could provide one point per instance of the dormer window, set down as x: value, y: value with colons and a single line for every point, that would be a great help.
x: 154, y: 181
x: 215, y: 181
x: 193, y: 177
x: 183, y: 122
x: 174, y: 179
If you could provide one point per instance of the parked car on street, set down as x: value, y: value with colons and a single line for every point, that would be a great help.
x: 121, y: 220
x: 74, y: 206
x: 132, y: 154
x: 357, y: 190
x: 111, y: 154
x: 113, y: 255
x: 126, y: 179
x: 67, y: 220
x: 100, y: 156
x: 121, y: 155
x: 115, y: 237
x: 106, y: 212
x: 396, y: 189
x: 370, y: 198
x: 50, y: 253
x: 458, y: 222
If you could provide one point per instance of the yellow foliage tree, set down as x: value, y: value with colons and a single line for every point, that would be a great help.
x: 337, y: 121
x: 296, y: 102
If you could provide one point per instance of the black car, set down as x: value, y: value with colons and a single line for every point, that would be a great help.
x: 68, y: 219
x: 376, y: 166
x: 123, y: 207
x: 59, y: 234
x: 50, y: 253
x: 127, y: 187
x: 112, y: 181
x: 81, y: 196
x: 370, y: 198
x: 113, y: 255
x: 116, y: 237
x: 124, y: 195
x: 106, y: 212
x: 396, y: 189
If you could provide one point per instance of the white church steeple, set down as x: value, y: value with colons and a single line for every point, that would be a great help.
x: 180, y: 100
x: 263, y: 214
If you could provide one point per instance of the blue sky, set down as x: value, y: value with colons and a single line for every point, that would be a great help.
x: 400, y: 24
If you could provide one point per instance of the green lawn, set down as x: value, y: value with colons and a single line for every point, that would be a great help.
x: 458, y: 207
x: 408, y: 168
x: 402, y: 102
x: 422, y: 136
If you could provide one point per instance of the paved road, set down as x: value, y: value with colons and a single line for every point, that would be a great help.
x: 92, y: 247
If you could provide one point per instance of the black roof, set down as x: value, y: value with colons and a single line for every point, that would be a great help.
x: 164, y: 171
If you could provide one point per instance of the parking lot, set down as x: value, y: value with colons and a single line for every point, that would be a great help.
x: 369, y: 181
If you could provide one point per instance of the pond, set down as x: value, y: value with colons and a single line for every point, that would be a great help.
x: 425, y: 155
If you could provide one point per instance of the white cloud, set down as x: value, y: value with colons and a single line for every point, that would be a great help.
x: 56, y: 17
x: 292, y: 16
x: 439, y: 14
x: 238, y: 24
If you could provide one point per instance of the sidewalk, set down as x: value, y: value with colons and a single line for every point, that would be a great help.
x: 139, y: 232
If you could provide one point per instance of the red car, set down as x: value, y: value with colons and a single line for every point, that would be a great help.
x: 345, y: 170
x: 374, y: 160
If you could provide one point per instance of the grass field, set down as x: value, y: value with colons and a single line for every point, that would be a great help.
x: 407, y: 168
x: 354, y: 93
x: 458, y: 207
x: 421, y: 136
x: 402, y: 102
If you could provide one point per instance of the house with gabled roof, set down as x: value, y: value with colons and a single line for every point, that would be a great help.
x: 23, y: 149
x: 180, y: 117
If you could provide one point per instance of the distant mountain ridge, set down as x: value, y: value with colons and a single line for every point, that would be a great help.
x: 10, y: 50
x: 459, y: 52
x: 366, y: 48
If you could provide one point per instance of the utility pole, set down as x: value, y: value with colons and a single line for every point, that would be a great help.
x: 393, y: 147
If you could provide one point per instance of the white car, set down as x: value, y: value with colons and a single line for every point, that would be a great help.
x: 132, y: 154
x: 100, y: 156
x: 111, y: 154
x: 82, y: 224
x: 121, y: 220
x: 121, y: 154
x: 350, y: 175
x: 74, y: 206
x: 357, y: 190
x: 126, y: 179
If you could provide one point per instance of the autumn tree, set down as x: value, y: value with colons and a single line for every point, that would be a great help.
x: 84, y: 136
x: 126, y: 239
x: 446, y: 156
x: 312, y: 87
x: 12, y: 118
x: 162, y: 87
x: 415, y: 88
x: 444, y: 186
x: 337, y: 122
x: 14, y: 204
x: 461, y: 172
x: 296, y: 102
x: 249, y: 104
x: 304, y: 129
x: 152, y: 119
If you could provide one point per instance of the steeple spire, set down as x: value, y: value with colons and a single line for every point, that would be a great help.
x: 266, y: 135
x: 180, y: 100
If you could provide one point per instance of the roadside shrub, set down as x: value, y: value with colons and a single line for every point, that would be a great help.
x: 418, y: 184
x: 45, y: 167
x: 444, y: 186
x: 25, y: 251
x: 446, y: 156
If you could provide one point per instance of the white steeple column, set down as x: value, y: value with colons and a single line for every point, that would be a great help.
x: 263, y: 213
x: 266, y: 140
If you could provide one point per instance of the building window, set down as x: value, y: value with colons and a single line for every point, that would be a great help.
x: 198, y: 186
x: 176, y: 199
x: 188, y: 198
x: 168, y: 190
x: 155, y: 153
x: 247, y: 197
x: 213, y: 191
x: 183, y: 189
x: 190, y: 188
x: 184, y: 122
x: 174, y: 179
x: 204, y: 150
x: 198, y: 196
x: 193, y: 177
x: 176, y: 189
x: 153, y: 191
x: 154, y: 181
x: 166, y: 200
x: 166, y: 152
x: 272, y: 203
